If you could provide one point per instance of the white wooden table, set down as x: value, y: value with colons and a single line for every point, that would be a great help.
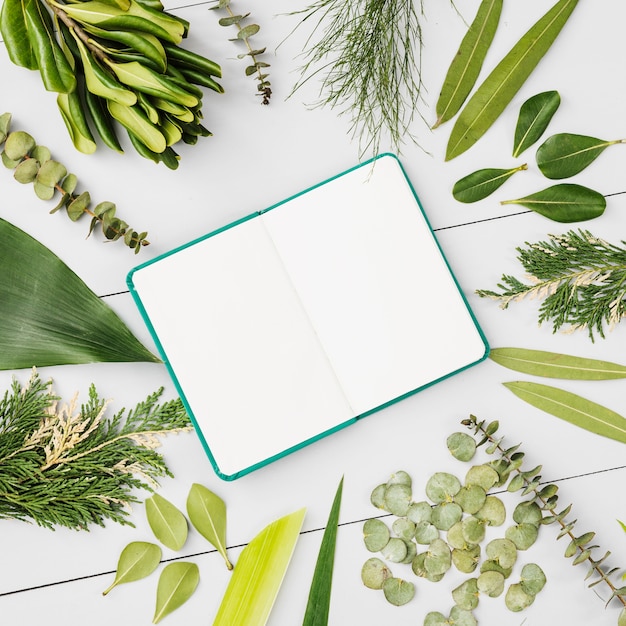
x: 257, y: 157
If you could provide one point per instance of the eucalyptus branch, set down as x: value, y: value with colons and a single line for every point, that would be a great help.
x: 545, y: 495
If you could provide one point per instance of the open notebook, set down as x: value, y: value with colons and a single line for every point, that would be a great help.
x: 297, y: 320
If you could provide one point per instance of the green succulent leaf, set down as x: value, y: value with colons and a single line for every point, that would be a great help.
x: 564, y: 203
x: 168, y: 524
x: 482, y: 183
x: 137, y: 560
x: 177, y: 583
x: 565, y: 154
x: 534, y: 116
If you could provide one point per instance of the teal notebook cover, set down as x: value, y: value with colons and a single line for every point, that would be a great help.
x: 297, y: 320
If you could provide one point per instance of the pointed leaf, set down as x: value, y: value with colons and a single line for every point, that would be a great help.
x: 500, y: 87
x: 318, y: 605
x: 468, y: 61
x: 565, y: 203
x: 554, y: 365
x: 565, y: 154
x: 482, y: 183
x: 15, y: 34
x: 49, y: 316
x: 167, y: 523
x: 137, y: 560
x: 534, y: 116
x: 207, y: 513
x: 177, y: 583
x: 258, y: 576
x: 572, y: 408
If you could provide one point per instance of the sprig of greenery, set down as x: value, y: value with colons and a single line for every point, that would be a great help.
x: 581, y: 279
x: 72, y: 466
x: 369, y: 60
x: 34, y: 164
x: 509, y: 468
x: 257, y: 68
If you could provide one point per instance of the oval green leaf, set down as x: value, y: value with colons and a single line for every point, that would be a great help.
x: 565, y: 154
x: 374, y: 573
x: 533, y: 579
x: 564, y: 203
x: 137, y: 560
x: 516, y: 599
x: 572, y: 408
x: 177, y: 583
x: 555, y: 365
x: 500, y: 87
x: 168, y: 524
x: 468, y: 60
x: 397, y: 591
x: 534, y: 116
x: 15, y: 34
x: 442, y: 487
x: 466, y: 594
x: 482, y: 183
x: 207, y: 512
x: 375, y: 535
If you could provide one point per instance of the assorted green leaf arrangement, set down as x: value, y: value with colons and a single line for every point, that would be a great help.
x: 50, y: 316
x: 447, y: 530
x: 34, y: 164
x: 114, y: 63
x: 562, y: 404
x: 580, y: 278
x: 257, y: 69
x: 72, y: 466
x: 492, y: 97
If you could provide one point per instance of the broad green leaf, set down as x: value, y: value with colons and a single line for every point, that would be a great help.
x: 137, y: 123
x: 482, y: 183
x: 534, y: 116
x: 565, y: 154
x: 555, y: 365
x: 177, y: 583
x: 56, y: 72
x: 50, y: 316
x: 501, y: 86
x: 15, y: 34
x: 207, y: 512
x: 258, y: 576
x: 76, y: 122
x: 318, y: 604
x: 468, y: 60
x: 565, y: 202
x: 167, y: 523
x: 572, y: 408
x: 137, y: 560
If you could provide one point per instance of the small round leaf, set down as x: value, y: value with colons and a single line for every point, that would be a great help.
x: 374, y: 573
x: 516, y: 599
x: 376, y: 535
x: 491, y: 584
x: 398, y: 591
x: 466, y: 594
x: 462, y: 446
x: 442, y: 487
x: 533, y: 579
x: 398, y: 498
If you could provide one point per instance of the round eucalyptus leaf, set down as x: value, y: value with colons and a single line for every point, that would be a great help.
x: 491, y: 584
x: 527, y: 513
x: 462, y: 617
x: 492, y: 512
x: 398, y: 591
x: 411, y: 552
x: 438, y: 558
x: 400, y: 478
x: 471, y: 498
x: 376, y: 535
x: 446, y: 514
x: 420, y: 512
x: 50, y: 173
x: 41, y: 153
x: 516, y: 599
x: 533, y: 579
x: 26, y: 171
x: 466, y: 560
x: 18, y: 144
x: 377, y: 498
x: 522, y: 535
x: 442, y: 487
x: 43, y: 192
x: 425, y: 533
x: 455, y: 537
x: 374, y: 573
x: 483, y: 475
x: 404, y: 528
x: 503, y: 551
x: 395, y: 550
x: 473, y: 529
x: 490, y: 565
x: 397, y: 499
x: 466, y: 594
x: 462, y: 446
x: 417, y: 565
x: 435, y: 618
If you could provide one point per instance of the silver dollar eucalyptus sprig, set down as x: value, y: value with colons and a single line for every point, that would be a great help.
x: 33, y: 164
x: 508, y: 465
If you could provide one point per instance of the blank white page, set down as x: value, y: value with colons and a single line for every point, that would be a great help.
x: 374, y: 283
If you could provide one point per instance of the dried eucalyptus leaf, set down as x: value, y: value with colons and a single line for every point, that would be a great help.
x: 466, y: 560
x: 527, y: 513
x: 493, y: 512
x: 490, y: 565
x: 435, y: 618
x: 374, y: 573
x: 534, y: 116
x: 376, y: 535
x: 473, y: 529
x: 41, y: 154
x: 471, y: 498
x: 168, y: 524
x: 404, y: 528
x: 397, y: 591
x: 70, y: 183
x: 491, y: 583
x: 400, y: 478
x: 446, y: 514
x: 462, y: 617
x: 177, y: 583
x: 533, y: 579
x: 51, y: 173
x: 43, y: 192
x: 455, y: 537
x: 411, y: 551
x: 503, y: 551
x: 483, y: 475
x: 377, y: 497
x: 398, y: 498
x: 516, y: 599
x: 26, y: 171
x: 442, y: 487
x: 248, y: 31
x: 77, y: 207
x: 420, y: 512
x: 466, y: 594
x: 461, y: 446
x: 438, y: 559
x: 426, y: 532
x: 137, y: 560
x: 522, y: 535
x: 395, y: 550
x: 18, y: 144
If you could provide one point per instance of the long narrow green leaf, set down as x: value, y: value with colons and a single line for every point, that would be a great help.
x: 564, y: 203
x: 499, y: 88
x: 482, y: 183
x: 572, y: 408
x: 318, y: 605
x: 15, y: 35
x: 534, y: 116
x: 49, y: 315
x: 554, y: 365
x: 259, y: 573
x: 468, y: 61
